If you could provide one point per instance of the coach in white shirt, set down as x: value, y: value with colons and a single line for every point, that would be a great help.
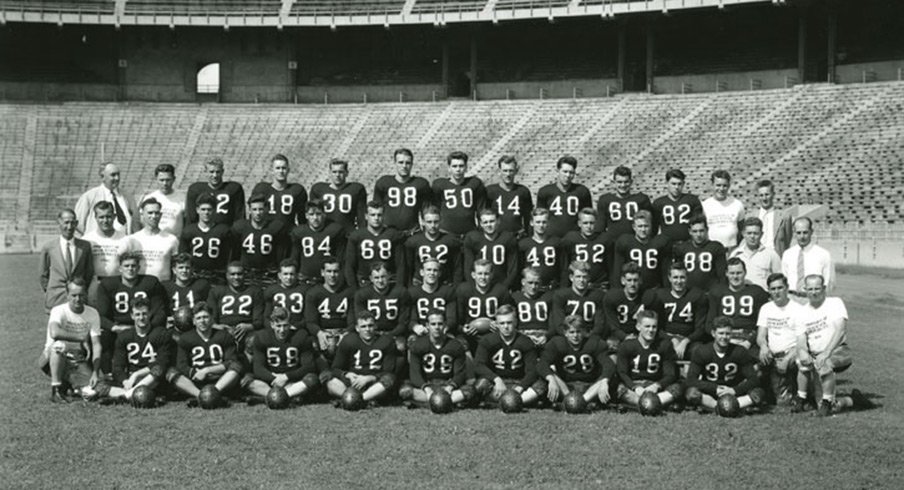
x: 806, y: 258
x: 157, y: 247
x: 723, y: 212
x: 172, y: 201
x: 108, y: 190
x: 777, y: 338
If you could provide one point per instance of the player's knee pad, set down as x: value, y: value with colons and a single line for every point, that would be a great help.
x: 693, y: 396
x: 387, y: 380
x: 311, y: 380
x: 172, y: 373
x: 621, y: 391
x: 676, y: 390
x: 234, y: 366
x: 540, y: 387
x: 246, y: 381
x: 157, y: 371
x: 406, y: 391
x: 483, y: 386
x: 757, y: 396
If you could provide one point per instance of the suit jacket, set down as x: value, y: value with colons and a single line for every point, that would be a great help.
x: 54, y: 275
x: 784, y: 229
x: 84, y: 209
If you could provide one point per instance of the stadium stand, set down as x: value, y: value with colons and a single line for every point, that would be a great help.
x: 198, y: 7
x: 347, y: 7
x: 841, y: 145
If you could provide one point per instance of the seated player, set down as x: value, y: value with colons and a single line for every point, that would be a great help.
x: 141, y: 355
x: 507, y: 359
x: 437, y: 362
x: 532, y: 306
x: 205, y: 356
x: 433, y: 243
x: 777, y: 339
x: 184, y: 288
x: 620, y: 306
x: 476, y: 303
x: 389, y: 305
x: 542, y: 251
x: 284, y: 357
x: 364, y: 361
x: 287, y: 293
x: 681, y: 312
x: 328, y: 313
x: 703, y: 258
x: 739, y: 300
x: 821, y: 328
x: 578, y: 299
x: 722, y: 368
x: 428, y: 295
x: 73, y: 340
x: 646, y: 364
x: 577, y: 361
x: 237, y: 307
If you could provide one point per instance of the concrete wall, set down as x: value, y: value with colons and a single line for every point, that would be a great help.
x: 553, y: 89
x: 732, y: 81
x: 374, y: 93
x: 883, y: 70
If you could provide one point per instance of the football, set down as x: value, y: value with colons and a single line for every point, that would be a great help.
x: 352, y: 400
x: 481, y: 325
x: 209, y: 397
x: 440, y: 402
x: 143, y: 397
x: 277, y: 398
x: 510, y: 402
x: 728, y: 406
x: 183, y: 319
x: 574, y: 403
x: 649, y: 404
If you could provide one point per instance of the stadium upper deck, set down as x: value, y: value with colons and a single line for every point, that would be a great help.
x: 287, y: 13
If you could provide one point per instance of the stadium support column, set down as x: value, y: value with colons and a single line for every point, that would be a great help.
x: 651, y: 37
x: 801, y: 43
x: 473, y: 68
x: 446, y: 67
x: 622, y: 54
x: 831, y: 40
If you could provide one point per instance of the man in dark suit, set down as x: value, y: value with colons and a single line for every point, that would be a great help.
x: 64, y: 259
x: 777, y: 229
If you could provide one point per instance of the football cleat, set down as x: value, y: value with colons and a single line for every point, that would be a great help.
x: 728, y: 406
x: 440, y: 402
x: 58, y: 396
x: 143, y: 397
x: 861, y: 402
x: 183, y: 320
x: 277, y: 398
x: 574, y: 403
x: 352, y: 400
x: 210, y: 397
x: 649, y: 404
x: 510, y: 402
x: 825, y: 408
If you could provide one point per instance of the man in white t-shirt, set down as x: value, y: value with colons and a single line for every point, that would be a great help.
x: 106, y: 244
x: 157, y: 247
x: 73, y: 340
x: 777, y: 338
x: 723, y: 212
x: 172, y: 201
x: 822, y: 349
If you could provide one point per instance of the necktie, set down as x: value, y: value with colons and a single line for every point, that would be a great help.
x: 68, y: 257
x: 120, y: 215
x: 800, y: 270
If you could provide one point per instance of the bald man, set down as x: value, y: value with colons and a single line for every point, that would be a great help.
x: 63, y: 259
x: 108, y: 190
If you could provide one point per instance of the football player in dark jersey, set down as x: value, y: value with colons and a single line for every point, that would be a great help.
x: 564, y: 199
x: 586, y: 245
x: 499, y: 248
x: 208, y: 243
x: 533, y: 306
x: 371, y: 244
x: 365, y: 361
x: 703, y: 258
x: 288, y: 293
x: 429, y: 295
x: 314, y: 242
x: 651, y: 253
x: 672, y: 212
x: 578, y: 299
x: 577, y: 361
x: 681, y: 311
x: 229, y: 196
x: 620, y: 306
x: 541, y: 251
x: 141, y: 355
x: 284, y: 200
x: 184, y: 288
x: 260, y: 243
x: 328, y: 308
x: 403, y: 195
x: 343, y: 202
x: 618, y: 209
x: 459, y: 197
x: 436, y: 244
x: 512, y: 201
x: 507, y: 359
x: 437, y: 363
x: 646, y: 364
x: 387, y: 303
x: 741, y: 301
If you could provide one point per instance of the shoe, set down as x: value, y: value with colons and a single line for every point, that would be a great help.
x: 192, y: 403
x: 58, y: 396
x: 252, y: 400
x: 410, y: 405
x: 676, y: 407
x: 825, y: 408
x: 336, y: 403
x: 861, y: 402
x: 797, y: 404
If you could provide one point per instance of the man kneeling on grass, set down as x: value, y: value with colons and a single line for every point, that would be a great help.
x: 364, y: 362
x: 647, y: 364
x: 577, y: 361
x: 205, y: 356
x: 141, y: 355
x: 437, y: 363
x: 284, y: 358
x: 723, y: 371
x: 507, y: 359
x: 823, y: 351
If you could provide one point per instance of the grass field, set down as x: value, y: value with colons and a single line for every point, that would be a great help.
x: 45, y: 445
